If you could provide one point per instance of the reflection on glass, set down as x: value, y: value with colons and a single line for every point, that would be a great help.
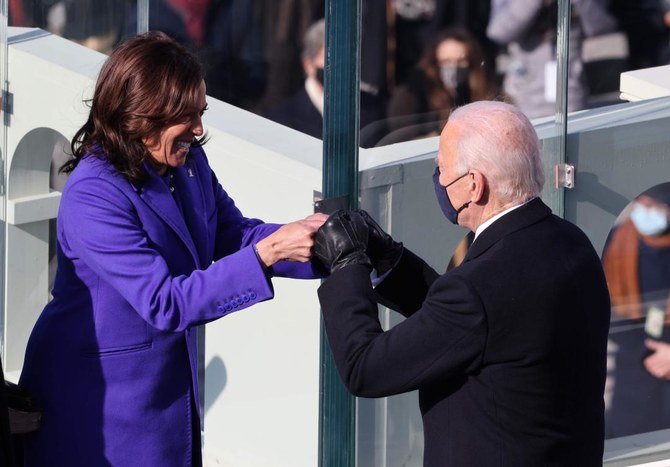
x: 636, y: 260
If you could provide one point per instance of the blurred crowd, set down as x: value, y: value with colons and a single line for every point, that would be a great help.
x: 419, y: 58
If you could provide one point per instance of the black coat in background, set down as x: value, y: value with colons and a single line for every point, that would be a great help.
x: 507, y: 350
x: 299, y: 113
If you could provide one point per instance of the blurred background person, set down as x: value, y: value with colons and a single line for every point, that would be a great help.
x: 227, y: 37
x: 528, y: 29
x: 636, y: 260
x: 285, y: 23
x: 414, y: 23
x: 452, y: 72
x: 303, y: 111
x: 646, y: 24
x: 96, y: 24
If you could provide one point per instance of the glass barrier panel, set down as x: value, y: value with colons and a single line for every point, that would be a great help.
x: 620, y: 200
x: 427, y: 58
x: 636, y: 258
x: 422, y: 59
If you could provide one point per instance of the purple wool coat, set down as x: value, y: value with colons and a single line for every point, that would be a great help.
x: 112, y: 358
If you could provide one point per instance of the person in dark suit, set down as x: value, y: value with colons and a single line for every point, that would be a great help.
x: 508, y: 349
x: 303, y: 111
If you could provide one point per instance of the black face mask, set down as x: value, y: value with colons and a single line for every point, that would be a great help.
x: 319, y: 76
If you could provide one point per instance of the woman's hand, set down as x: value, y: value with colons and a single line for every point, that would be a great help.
x: 658, y: 363
x: 291, y: 242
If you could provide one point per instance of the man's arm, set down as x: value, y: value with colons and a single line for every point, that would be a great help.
x: 406, y: 286
x: 444, y: 338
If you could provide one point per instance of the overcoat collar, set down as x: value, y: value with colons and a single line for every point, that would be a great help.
x: 188, y: 184
x: 158, y: 197
x: 528, y: 214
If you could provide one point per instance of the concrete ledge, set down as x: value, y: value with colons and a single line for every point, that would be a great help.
x: 33, y: 208
x: 637, y: 450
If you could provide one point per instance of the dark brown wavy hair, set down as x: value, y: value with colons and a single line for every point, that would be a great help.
x: 147, y: 83
x: 481, y: 83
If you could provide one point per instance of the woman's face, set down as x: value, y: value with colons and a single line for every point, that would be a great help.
x: 171, y: 146
x: 452, y: 53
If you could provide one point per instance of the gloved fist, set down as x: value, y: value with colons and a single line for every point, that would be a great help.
x: 342, y: 241
x: 382, y: 250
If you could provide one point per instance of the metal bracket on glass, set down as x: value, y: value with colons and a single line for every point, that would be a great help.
x: 7, y: 105
x: 564, y: 176
x: 7, y: 102
x: 330, y: 205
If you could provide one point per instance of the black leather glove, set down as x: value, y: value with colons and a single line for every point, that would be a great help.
x: 342, y: 241
x: 382, y: 250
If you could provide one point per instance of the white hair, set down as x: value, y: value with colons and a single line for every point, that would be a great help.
x: 498, y: 140
x: 314, y: 40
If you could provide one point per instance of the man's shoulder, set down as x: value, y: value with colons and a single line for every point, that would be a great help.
x: 535, y: 246
x: 288, y: 108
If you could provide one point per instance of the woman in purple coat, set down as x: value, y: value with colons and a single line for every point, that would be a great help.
x: 149, y: 247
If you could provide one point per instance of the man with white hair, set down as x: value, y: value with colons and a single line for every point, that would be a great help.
x: 508, y: 349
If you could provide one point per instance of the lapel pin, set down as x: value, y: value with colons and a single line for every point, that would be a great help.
x: 190, y: 172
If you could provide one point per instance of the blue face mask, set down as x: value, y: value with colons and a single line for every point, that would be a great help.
x: 649, y: 221
x: 443, y: 200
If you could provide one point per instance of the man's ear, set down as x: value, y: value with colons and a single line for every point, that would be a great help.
x: 478, y: 186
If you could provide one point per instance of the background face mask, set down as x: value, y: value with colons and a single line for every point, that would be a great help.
x: 649, y: 221
x: 453, y: 76
x: 320, y: 76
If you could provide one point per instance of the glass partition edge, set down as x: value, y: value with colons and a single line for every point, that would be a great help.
x: 337, y: 434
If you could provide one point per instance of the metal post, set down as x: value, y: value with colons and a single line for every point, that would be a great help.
x: 554, y: 149
x: 337, y: 442
x: 142, y: 16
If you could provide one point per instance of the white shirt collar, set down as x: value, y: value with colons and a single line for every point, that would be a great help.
x: 487, y: 223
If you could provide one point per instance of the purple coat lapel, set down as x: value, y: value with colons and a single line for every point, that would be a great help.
x: 189, y: 189
x: 160, y: 200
